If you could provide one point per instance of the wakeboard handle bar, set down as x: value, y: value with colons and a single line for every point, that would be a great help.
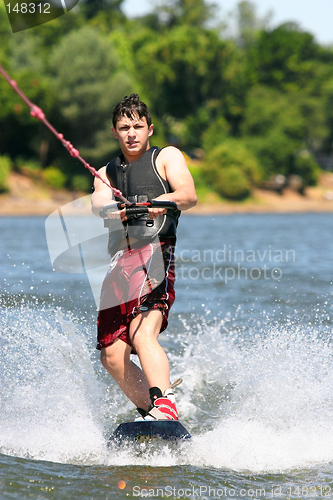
x: 137, y: 208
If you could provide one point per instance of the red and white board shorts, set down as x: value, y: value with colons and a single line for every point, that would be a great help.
x: 140, y: 278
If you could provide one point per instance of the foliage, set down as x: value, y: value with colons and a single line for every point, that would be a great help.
x: 249, y: 25
x: 5, y: 168
x: 183, y: 68
x: 284, y: 55
x: 277, y: 126
x: 54, y: 177
x: 185, y: 12
x: 20, y: 134
x: 232, y: 169
x: 81, y: 183
x: 108, y: 8
x: 31, y: 168
x: 328, y: 105
x: 199, y: 179
x: 232, y: 183
x: 88, y: 82
x: 306, y: 167
x: 216, y: 132
x: 262, y: 97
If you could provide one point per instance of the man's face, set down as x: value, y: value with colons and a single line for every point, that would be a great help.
x: 133, y: 134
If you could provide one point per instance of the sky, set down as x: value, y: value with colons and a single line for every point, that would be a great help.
x: 313, y: 16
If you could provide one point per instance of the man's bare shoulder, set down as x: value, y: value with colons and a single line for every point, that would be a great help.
x: 171, y: 159
x: 102, y: 171
x: 172, y: 153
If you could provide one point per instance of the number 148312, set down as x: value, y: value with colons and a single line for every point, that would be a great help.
x: 310, y: 491
x: 29, y: 8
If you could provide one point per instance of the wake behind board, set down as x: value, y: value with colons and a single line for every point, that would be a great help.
x: 146, y: 430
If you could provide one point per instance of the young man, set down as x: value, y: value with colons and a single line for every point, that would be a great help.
x: 132, y: 324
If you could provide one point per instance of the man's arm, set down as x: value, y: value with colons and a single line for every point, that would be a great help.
x: 172, y: 162
x: 102, y: 195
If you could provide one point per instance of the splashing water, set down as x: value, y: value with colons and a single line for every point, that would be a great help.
x: 259, y: 400
x: 49, y: 393
x: 273, y: 397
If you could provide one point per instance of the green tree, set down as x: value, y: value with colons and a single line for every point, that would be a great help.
x: 277, y: 126
x: 306, y: 167
x: 24, y: 55
x: 231, y: 169
x: 268, y: 92
x: 249, y: 24
x: 172, y: 13
x: 89, y: 80
x: 284, y: 57
x: 21, y: 135
x: 110, y: 9
x: 328, y: 104
x: 5, y: 168
x: 189, y: 72
x: 54, y: 177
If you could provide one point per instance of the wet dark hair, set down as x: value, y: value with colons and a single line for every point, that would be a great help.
x: 131, y: 106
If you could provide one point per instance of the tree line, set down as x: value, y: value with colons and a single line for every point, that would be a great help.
x: 248, y: 107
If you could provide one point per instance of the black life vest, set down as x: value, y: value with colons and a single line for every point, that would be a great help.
x: 140, y: 182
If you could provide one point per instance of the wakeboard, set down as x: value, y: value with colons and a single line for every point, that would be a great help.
x: 146, y: 430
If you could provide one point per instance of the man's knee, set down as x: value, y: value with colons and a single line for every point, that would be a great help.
x: 145, y: 328
x: 107, y: 359
x: 113, y: 357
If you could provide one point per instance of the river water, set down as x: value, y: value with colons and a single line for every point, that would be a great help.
x: 249, y: 333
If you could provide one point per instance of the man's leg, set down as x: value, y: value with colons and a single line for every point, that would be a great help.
x: 138, y: 384
x: 143, y: 332
x: 130, y: 378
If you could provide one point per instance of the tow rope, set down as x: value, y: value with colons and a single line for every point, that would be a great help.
x: 38, y: 113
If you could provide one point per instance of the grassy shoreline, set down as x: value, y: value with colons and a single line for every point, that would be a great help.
x: 28, y: 198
